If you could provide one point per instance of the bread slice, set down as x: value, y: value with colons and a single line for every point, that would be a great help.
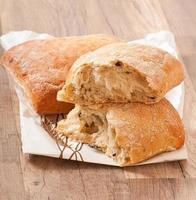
x: 123, y: 73
x: 129, y: 133
x: 41, y: 66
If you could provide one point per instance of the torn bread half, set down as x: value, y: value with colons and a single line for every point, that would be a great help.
x: 129, y: 133
x: 123, y: 73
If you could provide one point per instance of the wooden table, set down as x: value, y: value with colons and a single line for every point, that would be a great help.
x: 36, y: 177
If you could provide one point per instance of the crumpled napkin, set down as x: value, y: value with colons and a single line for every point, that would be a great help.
x: 35, y: 139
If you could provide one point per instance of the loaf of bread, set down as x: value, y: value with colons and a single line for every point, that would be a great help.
x: 129, y: 133
x: 123, y: 73
x: 41, y: 66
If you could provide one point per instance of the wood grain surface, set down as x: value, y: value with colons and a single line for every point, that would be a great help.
x: 36, y: 177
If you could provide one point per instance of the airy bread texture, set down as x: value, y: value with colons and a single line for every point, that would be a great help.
x: 123, y: 73
x: 129, y: 133
x: 41, y: 67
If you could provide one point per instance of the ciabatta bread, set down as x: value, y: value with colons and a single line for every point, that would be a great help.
x: 122, y: 73
x: 129, y: 133
x: 41, y: 66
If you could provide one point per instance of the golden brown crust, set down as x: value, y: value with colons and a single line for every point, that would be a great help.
x: 147, y: 130
x: 159, y: 70
x: 140, y: 131
x: 40, y: 67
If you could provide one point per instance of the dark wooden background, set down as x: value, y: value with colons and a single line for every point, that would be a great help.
x: 37, y: 178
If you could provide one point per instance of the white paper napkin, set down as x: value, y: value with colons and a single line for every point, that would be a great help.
x: 35, y: 139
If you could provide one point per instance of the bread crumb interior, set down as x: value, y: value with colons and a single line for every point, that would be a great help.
x: 91, y: 126
x: 111, y: 83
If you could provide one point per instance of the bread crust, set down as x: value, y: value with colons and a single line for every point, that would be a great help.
x: 159, y: 71
x: 147, y: 130
x: 140, y: 131
x: 41, y: 67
